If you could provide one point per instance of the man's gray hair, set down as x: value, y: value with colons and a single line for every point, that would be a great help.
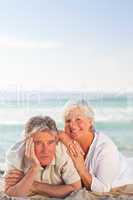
x: 39, y: 124
x: 82, y: 105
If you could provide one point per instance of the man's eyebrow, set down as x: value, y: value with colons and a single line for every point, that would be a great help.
x: 51, y: 139
x: 37, y: 140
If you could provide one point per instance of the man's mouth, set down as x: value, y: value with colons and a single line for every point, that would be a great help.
x: 44, y: 156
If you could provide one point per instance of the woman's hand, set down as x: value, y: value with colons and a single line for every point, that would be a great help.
x: 30, y: 152
x: 77, y: 155
x: 63, y: 137
x: 74, y: 149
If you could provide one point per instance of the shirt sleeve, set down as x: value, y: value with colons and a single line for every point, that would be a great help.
x: 107, y: 169
x: 14, y: 157
x: 69, y: 172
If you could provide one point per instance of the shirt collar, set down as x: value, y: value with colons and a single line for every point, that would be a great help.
x: 52, y: 162
x: 92, y: 147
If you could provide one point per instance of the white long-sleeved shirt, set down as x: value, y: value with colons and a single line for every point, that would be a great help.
x: 108, y: 167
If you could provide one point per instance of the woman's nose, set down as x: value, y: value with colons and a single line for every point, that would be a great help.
x: 72, y: 124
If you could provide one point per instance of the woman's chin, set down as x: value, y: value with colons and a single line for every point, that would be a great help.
x: 74, y: 137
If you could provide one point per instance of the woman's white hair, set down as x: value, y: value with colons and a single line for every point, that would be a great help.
x: 82, y: 105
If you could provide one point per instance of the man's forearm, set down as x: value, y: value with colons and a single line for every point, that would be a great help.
x: 59, y: 191
x: 23, y: 186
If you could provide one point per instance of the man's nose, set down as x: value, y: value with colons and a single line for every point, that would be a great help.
x: 45, y: 148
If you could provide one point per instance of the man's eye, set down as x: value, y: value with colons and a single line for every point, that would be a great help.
x: 78, y: 119
x: 37, y: 142
x: 51, y: 142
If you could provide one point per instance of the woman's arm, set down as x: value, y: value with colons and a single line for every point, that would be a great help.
x: 106, y: 168
x: 78, y: 160
x: 63, y: 137
x: 77, y: 156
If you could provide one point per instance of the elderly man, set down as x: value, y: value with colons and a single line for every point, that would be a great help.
x: 40, y: 164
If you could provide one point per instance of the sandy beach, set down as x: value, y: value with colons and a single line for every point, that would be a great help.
x: 123, y: 193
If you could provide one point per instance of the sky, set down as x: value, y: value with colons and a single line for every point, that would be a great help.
x: 66, y: 45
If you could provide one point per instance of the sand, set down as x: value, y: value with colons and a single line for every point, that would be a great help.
x: 123, y: 193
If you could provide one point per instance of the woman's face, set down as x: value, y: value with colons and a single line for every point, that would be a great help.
x: 45, y: 144
x: 77, y: 124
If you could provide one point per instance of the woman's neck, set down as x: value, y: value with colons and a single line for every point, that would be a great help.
x: 86, y: 141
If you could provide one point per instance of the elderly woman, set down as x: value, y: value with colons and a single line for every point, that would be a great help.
x: 36, y: 165
x: 99, y: 163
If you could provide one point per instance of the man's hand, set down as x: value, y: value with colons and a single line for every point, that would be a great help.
x: 19, y: 184
x: 31, y: 193
x: 13, y: 177
x: 30, y: 152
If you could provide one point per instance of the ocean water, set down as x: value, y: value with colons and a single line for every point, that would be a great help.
x: 113, y: 114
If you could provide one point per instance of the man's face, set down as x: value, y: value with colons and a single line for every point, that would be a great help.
x: 45, y: 144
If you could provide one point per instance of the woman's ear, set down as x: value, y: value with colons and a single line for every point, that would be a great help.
x: 90, y: 121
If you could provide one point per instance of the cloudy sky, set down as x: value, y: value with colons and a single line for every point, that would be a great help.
x: 66, y: 44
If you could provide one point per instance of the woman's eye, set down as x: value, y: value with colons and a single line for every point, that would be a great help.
x: 78, y: 119
x: 68, y: 121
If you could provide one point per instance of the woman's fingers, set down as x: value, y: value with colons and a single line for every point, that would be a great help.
x: 73, y: 150
x: 78, y: 147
